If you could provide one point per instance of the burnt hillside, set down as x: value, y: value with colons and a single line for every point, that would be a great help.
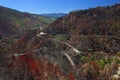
x: 100, y: 21
x: 94, y: 29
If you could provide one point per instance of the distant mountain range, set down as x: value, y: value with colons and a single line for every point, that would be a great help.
x: 54, y: 15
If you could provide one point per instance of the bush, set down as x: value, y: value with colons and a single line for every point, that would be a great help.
x: 61, y: 37
x: 101, y: 63
x: 83, y: 59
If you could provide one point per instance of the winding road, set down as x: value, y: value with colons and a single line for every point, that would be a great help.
x: 74, y: 49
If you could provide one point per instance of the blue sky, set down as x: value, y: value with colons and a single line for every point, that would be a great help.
x: 54, y: 6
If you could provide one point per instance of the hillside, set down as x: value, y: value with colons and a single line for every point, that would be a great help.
x: 99, y: 21
x: 83, y: 45
x: 94, y: 29
x: 13, y: 21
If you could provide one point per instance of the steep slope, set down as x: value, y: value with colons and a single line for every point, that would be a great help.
x: 45, y: 57
x: 13, y: 21
x: 100, y: 20
x: 94, y: 29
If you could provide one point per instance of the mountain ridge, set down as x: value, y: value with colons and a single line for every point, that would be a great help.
x: 95, y: 17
